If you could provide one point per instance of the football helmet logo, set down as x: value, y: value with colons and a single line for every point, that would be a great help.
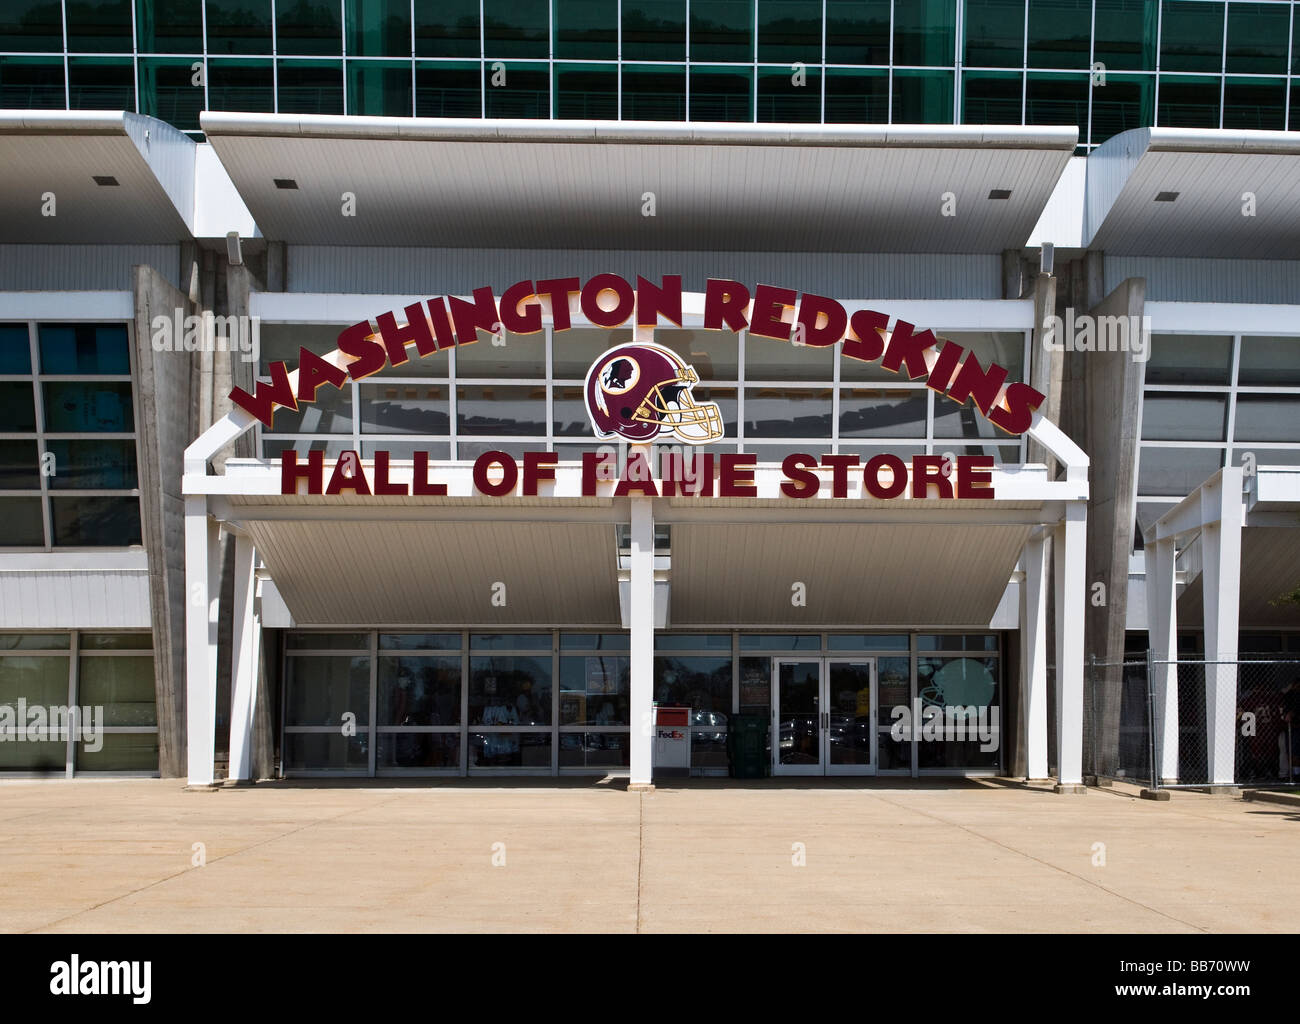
x: 643, y: 390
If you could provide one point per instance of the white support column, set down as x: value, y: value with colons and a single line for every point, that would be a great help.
x: 641, y: 629
x: 246, y: 636
x: 1033, y: 661
x: 202, y: 597
x: 1071, y: 595
x: 1221, y: 597
x: 1162, y: 625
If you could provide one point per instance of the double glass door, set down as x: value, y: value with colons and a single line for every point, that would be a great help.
x: 823, y: 716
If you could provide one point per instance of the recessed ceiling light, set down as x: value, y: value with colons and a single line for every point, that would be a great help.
x: 1000, y: 193
x: 285, y: 183
x: 104, y: 180
x: 1166, y: 197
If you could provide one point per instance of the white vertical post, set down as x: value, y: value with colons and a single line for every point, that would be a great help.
x: 202, y: 595
x: 1221, y: 596
x: 1069, y: 552
x: 1162, y: 626
x: 245, y: 643
x: 641, y: 629
x: 1033, y: 642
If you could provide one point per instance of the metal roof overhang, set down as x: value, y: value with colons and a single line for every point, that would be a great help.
x: 1211, y: 171
x: 582, y: 184
x: 61, y: 152
x: 406, y: 560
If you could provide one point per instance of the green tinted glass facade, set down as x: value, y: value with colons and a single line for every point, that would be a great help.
x: 1103, y: 65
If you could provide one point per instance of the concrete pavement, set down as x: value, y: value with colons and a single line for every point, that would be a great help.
x: 586, y: 855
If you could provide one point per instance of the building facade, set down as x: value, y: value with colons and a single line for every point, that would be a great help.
x: 1101, y: 198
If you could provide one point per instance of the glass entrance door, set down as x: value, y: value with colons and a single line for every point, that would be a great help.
x: 823, y: 716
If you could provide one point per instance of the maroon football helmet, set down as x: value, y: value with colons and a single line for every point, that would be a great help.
x: 643, y: 390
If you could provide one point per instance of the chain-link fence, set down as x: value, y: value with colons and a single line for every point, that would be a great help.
x: 1194, y: 722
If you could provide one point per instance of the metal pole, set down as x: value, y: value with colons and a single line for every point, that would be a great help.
x: 1151, y: 719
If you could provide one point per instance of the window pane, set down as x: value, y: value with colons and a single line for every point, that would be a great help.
x: 1189, y: 359
x: 96, y: 522
x: 1059, y: 33
x: 448, y: 90
x: 247, y: 85
x: 1266, y: 360
x: 857, y: 31
x: 311, y: 87
x: 594, y: 690
x: 501, y: 410
x: 923, y: 97
x: 780, y: 642
x: 522, y: 356
x: 33, y: 25
x: 119, y: 752
x: 923, y: 32
x: 722, y: 30
x: 379, y: 28
x: 573, y: 351
x: 653, y: 93
x: 78, y: 406
x: 34, y: 83
x: 19, y: 469
x: 325, y: 751
x: 610, y: 750
x: 1124, y: 102
x: 586, y: 29
x: 239, y: 26
x: 1257, y: 36
x: 1254, y: 103
x: 692, y: 642
x: 99, y: 26
x: 17, y: 407
x: 326, y: 641
x: 789, y: 31
x: 517, y: 90
x: 991, y: 97
x: 506, y: 690
x: 1184, y: 417
x: 308, y: 27
x: 34, y: 642
x: 788, y: 412
x: 379, y: 88
x: 770, y: 359
x: 168, y: 91
x: 398, y: 408
x: 169, y: 26
x: 447, y: 28
x: 1124, y: 34
x: 958, y: 421
x: 116, y: 642
x: 417, y: 750
x: 405, y: 450
x: 516, y: 28
x: 24, y: 525
x: 41, y: 680
x: 868, y: 412
x: 787, y: 97
x: 15, y: 349
x: 84, y: 348
x: 713, y: 354
x: 510, y: 750
x: 995, y: 33
x: 703, y: 684
x: 654, y: 30
x: 594, y: 641
x: 419, y: 641
x: 124, y: 687
x: 331, y: 413
x: 1175, y: 471
x: 587, y: 93
x: 320, y: 690
x: 1189, y: 102
x: 961, y: 683
x: 1006, y: 348
x: 1191, y: 36
x: 1057, y: 99
x: 1267, y: 418
x: 419, y: 691
x: 93, y: 465
x: 721, y: 94
x: 101, y: 83
x: 867, y: 642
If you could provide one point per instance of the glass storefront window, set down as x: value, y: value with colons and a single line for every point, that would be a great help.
x: 780, y: 642
x: 966, y: 691
x: 702, y: 683
x: 431, y: 751
x: 119, y: 752
x: 419, y: 691
x: 1267, y: 418
x: 1269, y: 361
x: 788, y: 412
x: 609, y: 750
x: 326, y: 751
x: 1189, y: 359
x: 872, y: 412
x: 517, y: 88
x: 1184, y: 417
x: 595, y: 690
x: 510, y: 750
x: 755, y: 686
x: 19, y: 466
x: 507, y: 690
x: 124, y: 687
x: 692, y: 641
x: 867, y: 642
x: 400, y: 408
x: 501, y: 410
x: 92, y: 521
x: 520, y: 356
x: 320, y: 690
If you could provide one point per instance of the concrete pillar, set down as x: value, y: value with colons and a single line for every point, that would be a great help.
x: 1221, y: 596
x: 1071, y: 601
x: 202, y: 573
x: 1045, y: 366
x: 1162, y: 625
x: 1033, y: 659
x: 641, y: 629
x: 245, y: 660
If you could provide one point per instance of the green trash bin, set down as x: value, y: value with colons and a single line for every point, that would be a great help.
x: 747, y: 753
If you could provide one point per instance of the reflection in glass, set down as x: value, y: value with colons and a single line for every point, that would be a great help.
x: 419, y: 690
x: 509, y: 690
